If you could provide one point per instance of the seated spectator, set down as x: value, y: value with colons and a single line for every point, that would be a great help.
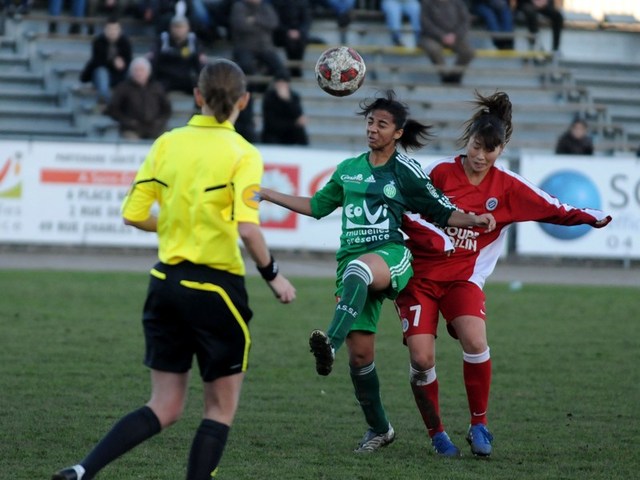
x: 178, y: 58
x: 576, y: 140
x: 160, y: 12
x: 342, y: 9
x: 282, y: 116
x: 77, y: 10
x: 498, y: 18
x: 110, y: 58
x: 252, y: 24
x: 11, y: 7
x: 393, y: 13
x: 292, y: 32
x: 531, y: 9
x: 140, y: 105
x: 246, y: 123
x: 446, y: 24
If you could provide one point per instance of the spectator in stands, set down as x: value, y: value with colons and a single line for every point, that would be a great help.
x: 283, y: 119
x: 343, y: 10
x: 393, y: 13
x: 140, y: 105
x: 252, y: 24
x: 11, y: 8
x: 246, y: 123
x: 160, y: 12
x: 292, y: 32
x: 576, y: 140
x: 446, y: 24
x: 77, y: 10
x: 531, y: 9
x: 109, y: 61
x: 498, y: 18
x: 178, y: 57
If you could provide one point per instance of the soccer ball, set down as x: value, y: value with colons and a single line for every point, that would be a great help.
x: 340, y: 71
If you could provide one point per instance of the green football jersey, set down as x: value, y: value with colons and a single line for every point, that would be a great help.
x: 373, y: 200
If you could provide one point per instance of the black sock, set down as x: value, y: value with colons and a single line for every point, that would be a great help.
x: 206, y: 449
x: 130, y: 431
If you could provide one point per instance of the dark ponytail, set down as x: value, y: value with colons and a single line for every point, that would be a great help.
x: 491, y: 122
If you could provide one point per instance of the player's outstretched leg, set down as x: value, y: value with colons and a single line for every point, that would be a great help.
x: 323, y: 351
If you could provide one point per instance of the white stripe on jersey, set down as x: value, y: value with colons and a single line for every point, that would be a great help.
x: 433, y: 165
x: 412, y: 164
x: 417, y: 218
x: 488, y: 258
x: 403, y: 266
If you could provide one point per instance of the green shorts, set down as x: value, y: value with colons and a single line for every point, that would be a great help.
x: 398, y: 258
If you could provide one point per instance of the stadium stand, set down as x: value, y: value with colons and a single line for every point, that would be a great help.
x: 40, y: 96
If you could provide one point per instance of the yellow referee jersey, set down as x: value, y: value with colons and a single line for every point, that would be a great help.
x: 205, y: 178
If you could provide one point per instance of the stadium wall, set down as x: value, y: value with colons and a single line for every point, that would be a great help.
x: 69, y: 194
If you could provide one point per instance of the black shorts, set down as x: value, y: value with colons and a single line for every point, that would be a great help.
x: 196, y: 310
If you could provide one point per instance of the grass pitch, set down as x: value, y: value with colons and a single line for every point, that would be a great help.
x: 564, y: 401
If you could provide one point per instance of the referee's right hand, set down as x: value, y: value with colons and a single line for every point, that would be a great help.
x: 282, y: 289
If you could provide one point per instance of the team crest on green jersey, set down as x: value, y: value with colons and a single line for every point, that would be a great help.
x: 390, y: 190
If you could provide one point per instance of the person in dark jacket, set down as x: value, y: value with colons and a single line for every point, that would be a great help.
x: 178, y: 57
x: 252, y: 25
x: 576, y: 140
x: 140, y: 105
x: 110, y: 59
x: 293, y: 31
x: 282, y: 116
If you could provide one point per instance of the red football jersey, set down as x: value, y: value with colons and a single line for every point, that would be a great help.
x: 505, y: 194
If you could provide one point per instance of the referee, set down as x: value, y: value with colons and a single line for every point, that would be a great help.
x: 204, y: 178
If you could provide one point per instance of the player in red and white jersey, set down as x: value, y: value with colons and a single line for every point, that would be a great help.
x: 452, y: 285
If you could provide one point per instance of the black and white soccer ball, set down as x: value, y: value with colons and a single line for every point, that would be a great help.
x: 340, y: 71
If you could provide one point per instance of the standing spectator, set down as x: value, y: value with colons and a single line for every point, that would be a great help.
x: 252, y: 24
x: 140, y: 105
x: 77, y: 10
x: 446, y: 24
x: 531, y: 9
x: 292, y: 32
x: 452, y: 284
x: 197, y: 304
x: 283, y: 119
x: 393, y: 13
x: 177, y: 58
x: 498, y: 18
x: 110, y: 59
x: 576, y: 140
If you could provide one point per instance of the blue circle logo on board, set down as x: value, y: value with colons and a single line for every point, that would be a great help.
x: 576, y: 189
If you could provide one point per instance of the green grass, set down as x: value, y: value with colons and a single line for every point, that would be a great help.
x: 564, y: 401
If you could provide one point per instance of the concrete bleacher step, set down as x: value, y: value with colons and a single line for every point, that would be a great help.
x: 19, y: 97
x: 23, y: 80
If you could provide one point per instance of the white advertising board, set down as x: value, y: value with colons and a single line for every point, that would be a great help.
x: 611, y: 184
x: 59, y: 193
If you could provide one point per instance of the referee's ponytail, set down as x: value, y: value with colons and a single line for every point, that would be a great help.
x: 221, y: 83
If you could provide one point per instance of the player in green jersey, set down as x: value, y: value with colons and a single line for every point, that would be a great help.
x: 374, y: 190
